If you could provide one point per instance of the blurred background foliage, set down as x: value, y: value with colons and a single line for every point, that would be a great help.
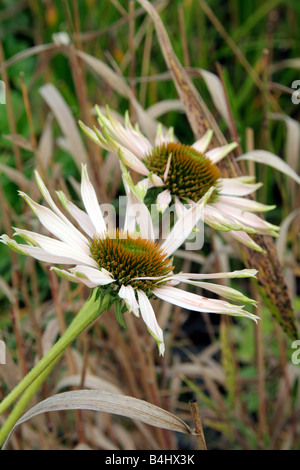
x: 243, y: 40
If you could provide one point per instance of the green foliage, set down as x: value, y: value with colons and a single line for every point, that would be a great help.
x: 229, y: 399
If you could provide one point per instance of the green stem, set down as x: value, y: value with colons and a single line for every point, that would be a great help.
x: 32, y: 381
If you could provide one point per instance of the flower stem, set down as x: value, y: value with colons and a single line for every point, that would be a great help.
x: 32, y: 381
x: 21, y: 405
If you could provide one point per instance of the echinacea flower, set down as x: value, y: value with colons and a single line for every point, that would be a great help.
x: 126, y: 263
x: 184, y: 174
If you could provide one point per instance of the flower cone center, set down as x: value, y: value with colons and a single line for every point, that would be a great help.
x: 191, y: 174
x: 127, y: 257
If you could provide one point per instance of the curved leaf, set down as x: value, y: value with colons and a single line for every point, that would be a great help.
x: 269, y: 158
x: 97, y: 400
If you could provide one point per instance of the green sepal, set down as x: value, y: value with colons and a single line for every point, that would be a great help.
x: 119, y: 311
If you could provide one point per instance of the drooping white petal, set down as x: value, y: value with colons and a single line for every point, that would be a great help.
x: 245, y: 239
x: 163, y: 200
x: 202, y: 144
x: 127, y: 294
x: 235, y: 187
x: 94, y: 275
x: 73, y: 278
x: 243, y: 273
x: 223, y: 291
x: 198, y: 303
x: 216, y: 154
x: 218, y: 220
x: 248, y: 219
x: 185, y: 225
x: 91, y: 203
x: 149, y: 318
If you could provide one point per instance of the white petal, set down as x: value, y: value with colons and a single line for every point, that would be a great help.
x: 243, y: 273
x: 82, y: 219
x: 127, y: 294
x: 55, y: 225
x: 215, y: 155
x: 185, y: 225
x: 137, y: 213
x: 91, y: 204
x: 245, y: 204
x: 198, y: 303
x: 202, y: 144
x: 160, y: 138
x: 221, y: 221
x: 156, y: 180
x: 149, y: 318
x: 89, y: 132
x: 235, y: 187
x: 247, y: 219
x: 54, y: 207
x: 138, y: 144
x: 167, y: 167
x: 39, y: 253
x: 223, y: 291
x: 12, y: 244
x: 163, y: 200
x: 246, y: 240
x: 58, y: 248
x: 128, y: 137
x: 30, y: 237
x: 129, y: 159
x: 42, y: 255
x: 180, y: 209
x: 73, y: 278
x: 96, y: 276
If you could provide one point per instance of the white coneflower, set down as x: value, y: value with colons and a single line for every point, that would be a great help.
x: 184, y: 174
x: 126, y: 263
